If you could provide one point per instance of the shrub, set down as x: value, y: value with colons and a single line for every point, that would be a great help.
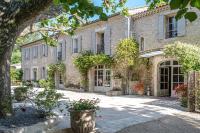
x: 20, y: 93
x: 181, y: 91
x: 85, y: 104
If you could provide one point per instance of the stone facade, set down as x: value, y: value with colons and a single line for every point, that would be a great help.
x: 149, y: 28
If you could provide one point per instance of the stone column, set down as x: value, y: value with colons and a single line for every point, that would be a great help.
x: 191, y: 91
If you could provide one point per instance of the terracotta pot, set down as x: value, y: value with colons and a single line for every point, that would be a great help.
x: 141, y: 92
x: 82, y: 121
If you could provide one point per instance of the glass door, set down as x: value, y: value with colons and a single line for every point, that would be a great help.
x: 164, y: 81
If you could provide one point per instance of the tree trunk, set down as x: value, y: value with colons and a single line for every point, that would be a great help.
x: 5, y: 88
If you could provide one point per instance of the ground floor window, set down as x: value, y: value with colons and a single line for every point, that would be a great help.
x: 171, y: 76
x: 60, y: 78
x: 102, y: 76
x: 34, y: 74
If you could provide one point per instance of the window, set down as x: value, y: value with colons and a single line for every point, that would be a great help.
x: 100, y: 45
x: 171, y: 27
x: 60, y: 78
x: 102, y: 76
x: 44, y: 50
x: 35, y: 51
x: 34, y: 74
x: 142, y: 44
x: 59, y: 52
x: 27, y: 53
x: 75, y: 45
x: 43, y: 73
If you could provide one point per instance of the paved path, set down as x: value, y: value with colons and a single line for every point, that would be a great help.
x: 118, y: 113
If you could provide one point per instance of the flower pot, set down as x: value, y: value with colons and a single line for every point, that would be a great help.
x: 82, y: 121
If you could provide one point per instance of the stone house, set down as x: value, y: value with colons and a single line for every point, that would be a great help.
x: 152, y: 29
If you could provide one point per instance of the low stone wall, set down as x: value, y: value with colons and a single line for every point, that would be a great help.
x: 114, y: 93
x: 36, y: 128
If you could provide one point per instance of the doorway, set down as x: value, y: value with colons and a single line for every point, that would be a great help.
x: 170, y: 76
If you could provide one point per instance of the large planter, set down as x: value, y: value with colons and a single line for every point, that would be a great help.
x: 82, y: 121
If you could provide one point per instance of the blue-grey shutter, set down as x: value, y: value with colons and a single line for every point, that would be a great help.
x: 107, y: 40
x: 41, y: 47
x: 55, y: 53
x: 181, y: 25
x: 71, y: 46
x: 161, y: 27
x: 93, y: 42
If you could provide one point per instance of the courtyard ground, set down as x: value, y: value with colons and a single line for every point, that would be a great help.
x: 137, y: 114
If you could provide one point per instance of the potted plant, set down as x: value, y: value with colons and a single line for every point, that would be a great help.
x: 139, y: 88
x: 181, y: 91
x: 82, y: 115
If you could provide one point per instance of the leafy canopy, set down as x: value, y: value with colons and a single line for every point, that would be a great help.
x: 187, y: 54
x: 183, y: 7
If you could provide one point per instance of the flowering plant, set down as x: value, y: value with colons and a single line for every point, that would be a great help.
x: 139, y: 87
x: 181, y: 90
x: 85, y: 104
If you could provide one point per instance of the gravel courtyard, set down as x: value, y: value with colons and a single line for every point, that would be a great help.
x: 124, y: 114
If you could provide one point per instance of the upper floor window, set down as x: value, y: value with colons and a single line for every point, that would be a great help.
x: 44, y: 50
x: 142, y: 44
x: 171, y: 29
x: 27, y: 53
x: 59, y: 51
x: 35, y: 51
x: 100, y: 43
x: 75, y: 45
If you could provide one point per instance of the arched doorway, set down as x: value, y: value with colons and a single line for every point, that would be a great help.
x: 170, y: 75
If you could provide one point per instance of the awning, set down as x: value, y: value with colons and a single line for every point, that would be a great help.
x: 151, y: 54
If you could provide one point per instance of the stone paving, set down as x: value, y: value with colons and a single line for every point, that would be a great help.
x: 120, y: 112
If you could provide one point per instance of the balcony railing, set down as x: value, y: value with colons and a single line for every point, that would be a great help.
x: 100, y: 48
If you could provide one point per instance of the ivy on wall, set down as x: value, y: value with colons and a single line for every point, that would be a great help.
x: 88, y: 60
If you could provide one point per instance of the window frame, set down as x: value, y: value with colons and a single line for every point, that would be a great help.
x: 171, y: 33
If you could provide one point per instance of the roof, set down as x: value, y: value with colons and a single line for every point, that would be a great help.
x: 150, y: 11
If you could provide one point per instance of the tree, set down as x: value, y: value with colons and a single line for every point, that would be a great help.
x: 183, y: 7
x: 127, y: 55
x: 16, y: 15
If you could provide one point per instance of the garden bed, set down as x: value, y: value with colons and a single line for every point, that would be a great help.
x: 26, y: 120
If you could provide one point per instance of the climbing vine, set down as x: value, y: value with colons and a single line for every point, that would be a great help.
x: 88, y: 60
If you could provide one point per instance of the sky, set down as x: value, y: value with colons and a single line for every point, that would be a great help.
x: 129, y: 4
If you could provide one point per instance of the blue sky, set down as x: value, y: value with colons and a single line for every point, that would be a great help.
x: 129, y: 4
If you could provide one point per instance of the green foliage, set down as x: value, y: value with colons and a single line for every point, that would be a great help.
x: 127, y: 55
x: 16, y: 56
x: 187, y: 54
x: 47, y: 99
x: 21, y: 93
x: 181, y: 5
x: 85, y: 104
x: 88, y: 60
x: 198, y: 98
x: 16, y: 74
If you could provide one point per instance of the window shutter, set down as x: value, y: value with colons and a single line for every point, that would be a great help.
x: 161, y: 27
x: 107, y: 37
x: 181, y: 24
x: 46, y: 50
x: 94, y: 42
x: 72, y: 43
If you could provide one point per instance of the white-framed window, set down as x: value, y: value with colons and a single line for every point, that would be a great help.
x: 102, y: 76
x: 142, y: 44
x: 75, y: 45
x: 171, y: 27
